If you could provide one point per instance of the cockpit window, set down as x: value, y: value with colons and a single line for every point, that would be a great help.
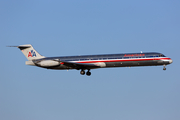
x: 161, y: 55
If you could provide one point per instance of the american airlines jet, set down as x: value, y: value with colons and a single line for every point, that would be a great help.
x: 88, y: 62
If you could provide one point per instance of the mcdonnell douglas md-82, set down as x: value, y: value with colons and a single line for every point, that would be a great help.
x: 88, y: 62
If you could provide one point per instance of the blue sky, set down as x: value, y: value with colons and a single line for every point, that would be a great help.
x: 64, y: 28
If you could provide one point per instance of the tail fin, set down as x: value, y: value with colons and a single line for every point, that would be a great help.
x: 29, y: 52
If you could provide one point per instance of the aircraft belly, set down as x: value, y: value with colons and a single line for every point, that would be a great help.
x: 134, y: 63
x: 64, y: 67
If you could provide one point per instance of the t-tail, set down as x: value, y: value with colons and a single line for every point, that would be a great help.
x: 29, y: 52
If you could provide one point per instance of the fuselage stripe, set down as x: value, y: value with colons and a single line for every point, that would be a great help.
x: 123, y: 60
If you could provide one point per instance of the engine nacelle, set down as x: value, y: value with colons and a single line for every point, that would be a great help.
x: 48, y: 63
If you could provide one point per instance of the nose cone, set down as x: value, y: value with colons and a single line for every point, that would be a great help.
x: 170, y: 61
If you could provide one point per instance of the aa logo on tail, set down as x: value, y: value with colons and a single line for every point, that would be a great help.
x: 32, y: 54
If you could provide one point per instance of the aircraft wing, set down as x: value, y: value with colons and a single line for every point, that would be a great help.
x: 75, y: 65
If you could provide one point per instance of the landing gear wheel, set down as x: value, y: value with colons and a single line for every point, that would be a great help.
x: 164, y: 67
x: 82, y: 72
x: 88, y: 73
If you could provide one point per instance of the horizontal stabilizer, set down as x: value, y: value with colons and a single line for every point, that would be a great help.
x: 21, y: 47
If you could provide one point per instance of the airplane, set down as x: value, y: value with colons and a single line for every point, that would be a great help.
x: 88, y: 62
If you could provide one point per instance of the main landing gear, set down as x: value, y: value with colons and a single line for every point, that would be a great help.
x: 164, y: 68
x: 88, y: 73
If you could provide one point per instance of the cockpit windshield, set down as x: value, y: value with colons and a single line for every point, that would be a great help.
x: 161, y: 55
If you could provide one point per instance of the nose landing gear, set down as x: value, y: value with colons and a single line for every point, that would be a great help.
x: 164, y: 68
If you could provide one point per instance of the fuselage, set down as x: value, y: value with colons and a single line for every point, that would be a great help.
x: 108, y: 60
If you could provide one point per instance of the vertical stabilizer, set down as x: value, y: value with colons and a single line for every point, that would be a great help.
x: 30, y: 52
